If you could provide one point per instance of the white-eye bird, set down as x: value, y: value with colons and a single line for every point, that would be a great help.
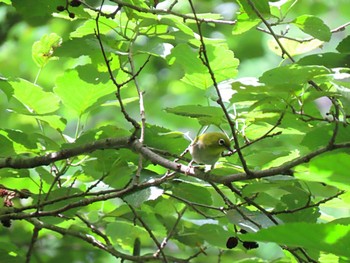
x: 208, y: 147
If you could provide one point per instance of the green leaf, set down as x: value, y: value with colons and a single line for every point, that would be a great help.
x: 34, y: 99
x: 10, y: 254
x: 196, y: 74
x: 55, y: 121
x: 7, y: 148
x: 344, y: 45
x: 279, y: 9
x: 291, y: 75
x: 244, y: 24
x: 317, y: 137
x: 330, y: 238
x: 248, y: 219
x: 222, y: 61
x: 82, y: 96
x: 24, y: 142
x: 214, y: 234
x: 313, y: 26
x: 294, y: 47
x: 124, y: 234
x: 138, y: 198
x: 283, y: 159
x: 157, y: 48
x: 295, y: 198
x: 206, y: 115
x: 116, y: 172
x: 329, y: 60
x: 102, y: 132
x: 176, y: 22
x: 6, y: 88
x: 43, y: 50
x: 36, y: 12
x: 262, y: 7
x: 192, y: 192
x: 88, y: 27
x: 165, y: 139
x: 331, y: 169
x: 76, y: 47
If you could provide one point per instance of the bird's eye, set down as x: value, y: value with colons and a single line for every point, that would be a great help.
x: 221, y: 142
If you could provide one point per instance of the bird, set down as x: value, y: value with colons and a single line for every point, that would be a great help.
x: 208, y: 147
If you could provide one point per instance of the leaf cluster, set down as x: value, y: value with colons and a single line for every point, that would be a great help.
x: 98, y: 100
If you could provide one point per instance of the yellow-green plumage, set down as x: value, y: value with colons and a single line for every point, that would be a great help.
x: 208, y: 147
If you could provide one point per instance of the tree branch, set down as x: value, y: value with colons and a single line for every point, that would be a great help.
x: 170, y: 12
x: 206, y: 62
x: 149, y: 231
x: 35, y: 236
x: 75, y: 150
x: 94, y: 242
x: 138, y: 147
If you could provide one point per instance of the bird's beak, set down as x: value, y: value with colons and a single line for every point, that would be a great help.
x: 230, y: 151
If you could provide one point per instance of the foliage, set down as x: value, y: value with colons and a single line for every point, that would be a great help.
x: 97, y: 99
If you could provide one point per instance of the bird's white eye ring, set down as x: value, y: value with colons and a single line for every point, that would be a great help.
x: 221, y: 142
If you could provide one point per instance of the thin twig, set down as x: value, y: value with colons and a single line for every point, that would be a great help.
x: 118, y: 86
x: 251, y: 202
x: 194, y: 206
x: 206, y: 63
x: 268, y: 133
x: 170, y: 12
x: 95, y: 230
x: 35, y: 236
x: 284, y: 51
x: 323, y: 201
x: 149, y: 231
x: 171, y: 232
x: 141, y: 106
x: 233, y: 206
x: 335, y: 30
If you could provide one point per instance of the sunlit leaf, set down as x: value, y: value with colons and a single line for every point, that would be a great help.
x: 329, y: 60
x: 82, y: 96
x: 205, y: 114
x: 294, y: 47
x: 137, y: 199
x: 124, y: 233
x: 343, y: 46
x: 292, y: 74
x: 214, y: 234
x: 33, y: 97
x: 262, y: 7
x: 192, y: 193
x: 331, y: 238
x: 330, y: 169
x: 43, y: 50
x: 313, y: 26
x: 244, y: 23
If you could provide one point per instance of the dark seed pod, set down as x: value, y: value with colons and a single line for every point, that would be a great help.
x: 6, y: 222
x: 75, y: 3
x: 232, y: 242
x: 60, y: 8
x: 71, y: 15
x: 250, y: 245
x: 243, y: 231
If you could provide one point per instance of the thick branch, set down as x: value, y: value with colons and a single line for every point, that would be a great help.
x: 94, y: 242
x: 138, y: 147
x: 170, y: 12
x: 75, y: 150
